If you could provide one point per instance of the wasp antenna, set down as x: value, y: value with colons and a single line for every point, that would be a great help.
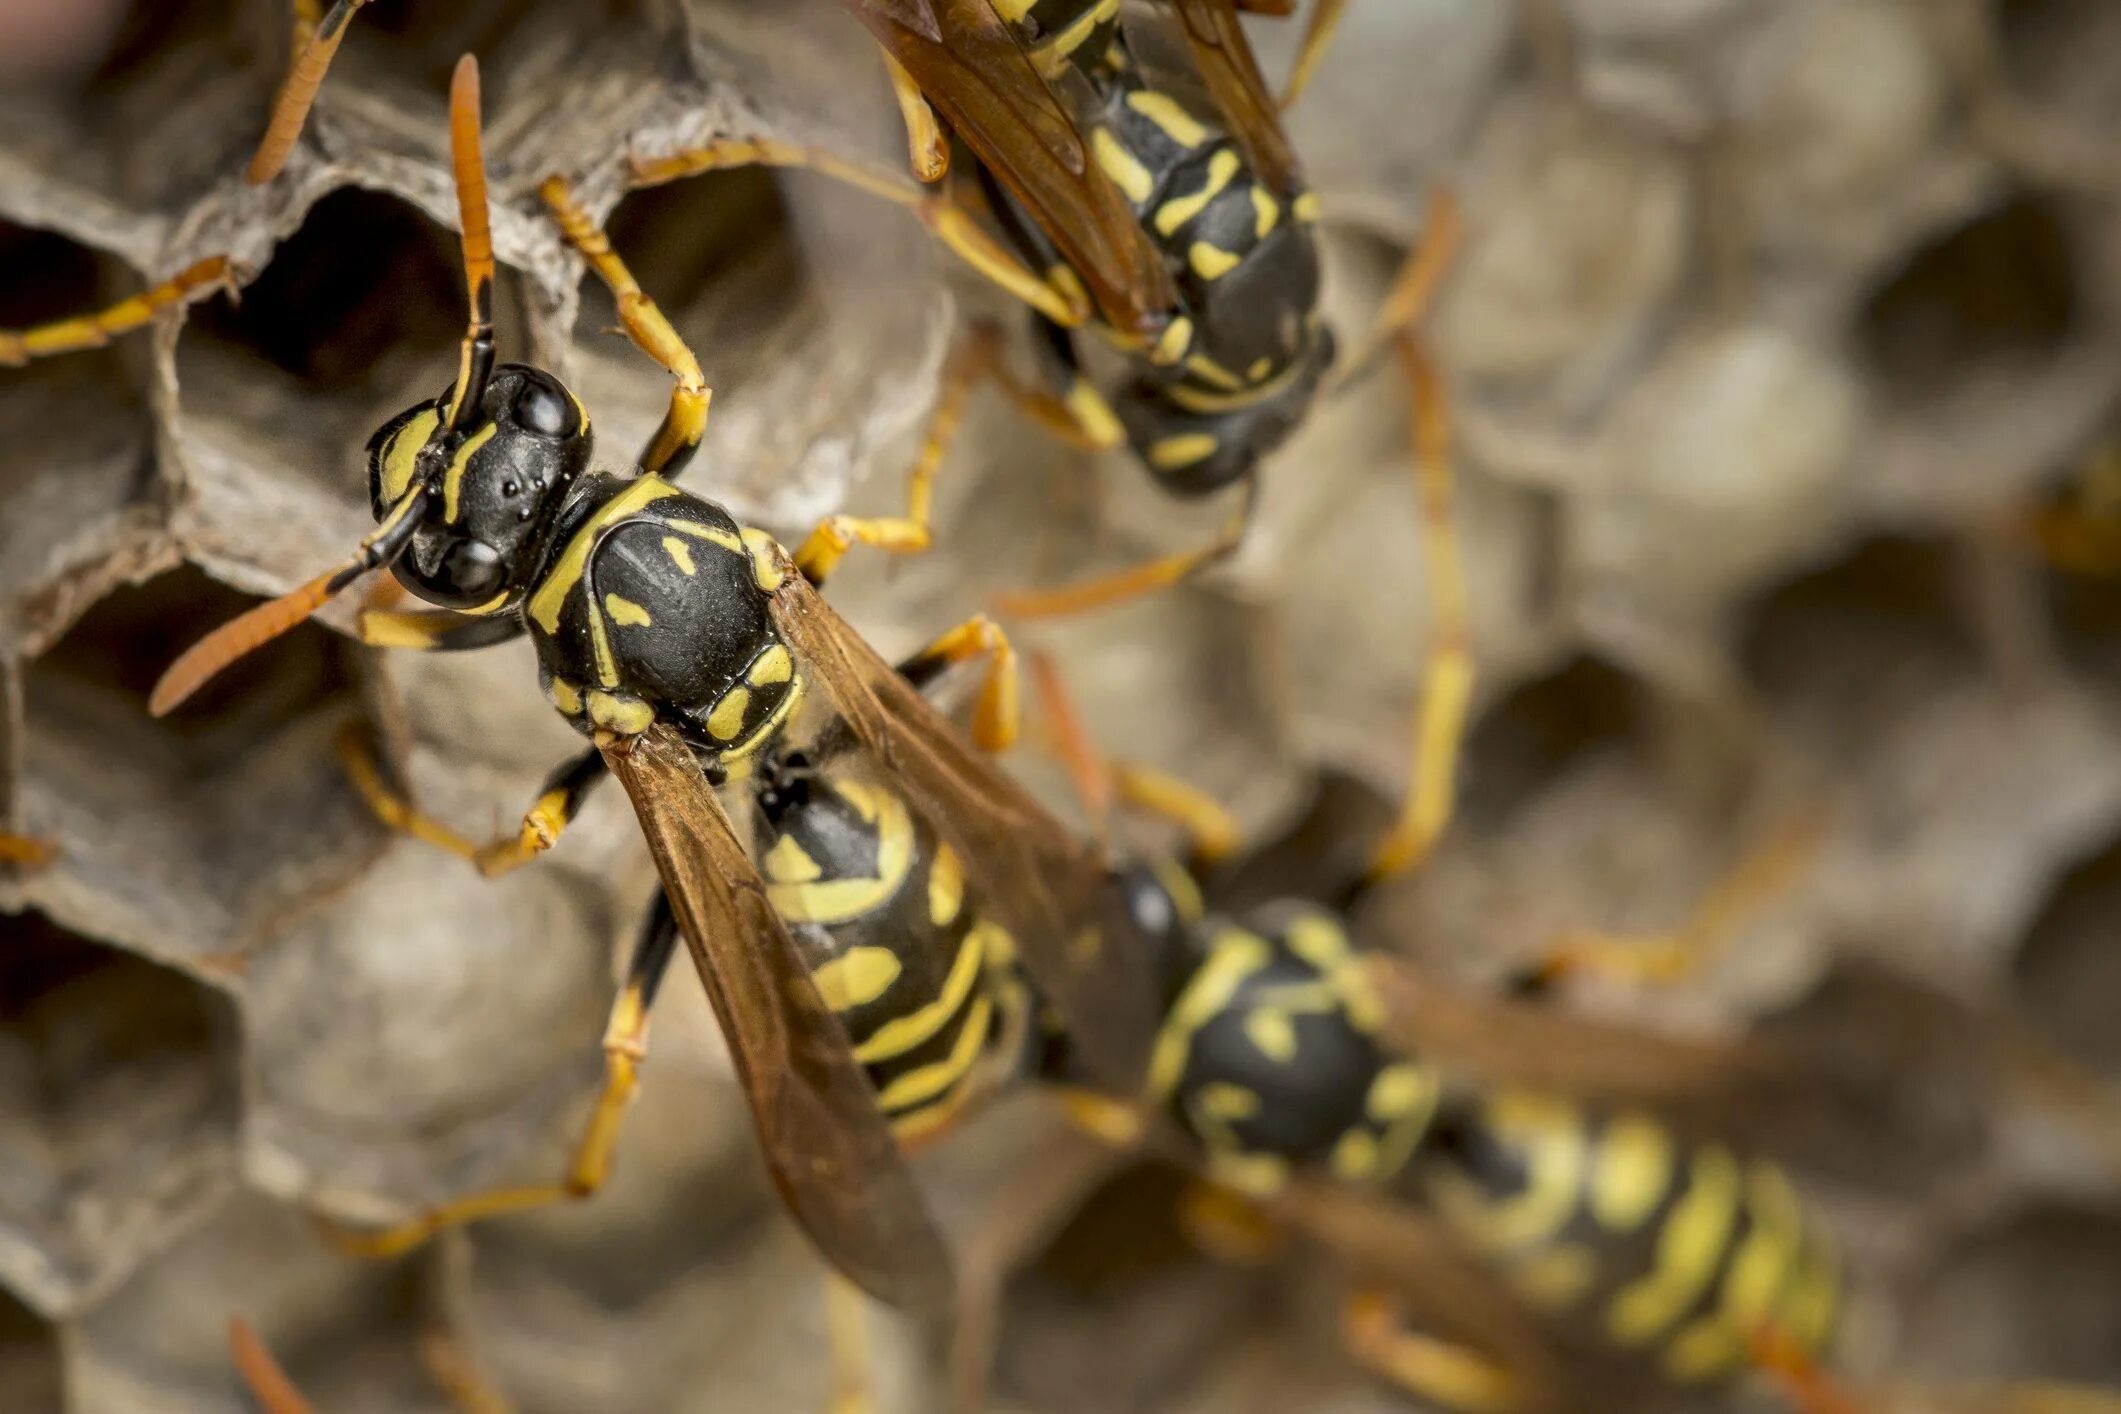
x: 1088, y: 770
x: 468, y: 164
x: 304, y: 77
x: 261, y: 1373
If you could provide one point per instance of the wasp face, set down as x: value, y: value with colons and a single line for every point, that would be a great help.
x: 494, y: 487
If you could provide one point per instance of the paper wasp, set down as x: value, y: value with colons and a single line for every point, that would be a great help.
x: 684, y: 645
x: 1120, y: 165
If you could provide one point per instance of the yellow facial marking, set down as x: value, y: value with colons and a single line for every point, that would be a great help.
x: 926, y: 1082
x: 856, y: 977
x: 403, y: 452
x: 946, y: 886
x: 1272, y: 1034
x: 680, y: 555
x: 545, y: 605
x: 565, y: 696
x: 1171, y: 453
x: 1689, y: 1248
x: 789, y: 863
x: 1630, y: 1173
x: 726, y: 721
x: 1266, y: 212
x: 1125, y: 170
x: 1177, y: 124
x: 453, y: 479
x: 626, y: 612
x: 901, y: 1034
x: 627, y: 716
x: 1176, y: 212
x: 1211, y: 262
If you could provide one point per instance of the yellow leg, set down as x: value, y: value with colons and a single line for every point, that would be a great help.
x: 1104, y: 591
x: 686, y: 421
x: 1318, y: 35
x: 625, y: 1048
x: 26, y: 851
x: 1447, y: 680
x: 557, y: 803
x: 1423, y: 1365
x: 1228, y: 1226
x: 945, y: 219
x: 1792, y: 1370
x: 1413, y: 289
x: 1672, y: 956
x: 93, y: 331
x: 927, y: 148
x: 847, y: 1333
x: 1211, y: 831
x: 316, y: 40
x: 268, y: 1384
x: 1111, y: 1122
x: 997, y: 717
x: 458, y: 1375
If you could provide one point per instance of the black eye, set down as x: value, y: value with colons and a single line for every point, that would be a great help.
x: 471, y: 572
x: 543, y: 407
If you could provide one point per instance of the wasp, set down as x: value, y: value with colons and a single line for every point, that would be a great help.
x: 1113, y: 166
x: 684, y: 644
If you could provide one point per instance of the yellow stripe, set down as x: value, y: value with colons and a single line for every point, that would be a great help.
x: 901, y: 1034
x: 1774, y: 1240
x: 933, y: 1079
x: 1272, y: 1033
x: 841, y: 900
x: 1266, y: 212
x: 545, y: 605
x: 712, y: 533
x: 1170, y: 453
x: 565, y: 696
x: 1164, y: 111
x: 1233, y: 956
x: 403, y: 453
x: 1126, y: 172
x: 1202, y: 366
x: 946, y: 886
x: 1550, y: 1134
x: 1055, y: 50
x: 775, y: 665
x: 1222, y: 168
x: 727, y: 718
x: 1631, y: 1172
x: 856, y: 977
x: 1212, y: 262
x: 453, y: 479
x: 1689, y: 1247
x: 1557, y: 1277
x: 789, y: 863
x: 625, y: 611
x: 679, y: 555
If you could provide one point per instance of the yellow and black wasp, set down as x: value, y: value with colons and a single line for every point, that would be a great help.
x: 683, y: 644
x: 1118, y: 166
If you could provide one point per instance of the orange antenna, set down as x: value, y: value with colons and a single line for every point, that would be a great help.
x: 304, y: 77
x: 1087, y: 769
x: 267, y: 1382
x: 468, y: 163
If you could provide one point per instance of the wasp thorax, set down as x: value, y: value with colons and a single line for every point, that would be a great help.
x: 494, y: 484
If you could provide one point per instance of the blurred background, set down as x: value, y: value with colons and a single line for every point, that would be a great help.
x: 1779, y: 332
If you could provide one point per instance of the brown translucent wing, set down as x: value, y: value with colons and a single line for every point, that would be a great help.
x: 1223, y: 57
x: 826, y: 1143
x: 1047, y: 886
x: 969, y: 65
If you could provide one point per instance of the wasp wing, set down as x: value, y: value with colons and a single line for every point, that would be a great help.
x: 827, y: 1146
x: 1222, y: 57
x: 1049, y: 888
x: 968, y: 63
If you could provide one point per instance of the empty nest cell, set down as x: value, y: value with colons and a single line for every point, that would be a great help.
x: 190, y: 838
x: 120, y: 1110
x: 2066, y: 964
x: 76, y: 480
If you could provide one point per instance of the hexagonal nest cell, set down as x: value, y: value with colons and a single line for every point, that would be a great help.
x: 120, y: 1111
x: 190, y: 839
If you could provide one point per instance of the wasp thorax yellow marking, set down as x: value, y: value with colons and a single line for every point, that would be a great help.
x: 726, y: 721
x: 1180, y: 209
x: 775, y: 665
x: 628, y: 716
x: 402, y: 455
x: 551, y: 597
x: 1632, y: 1170
x: 1260, y: 368
x: 767, y: 559
x: 1305, y: 207
x: 1211, y: 262
x: 1125, y: 170
x: 1266, y: 212
x: 1201, y: 366
x: 1318, y: 940
x: 856, y: 977
x: 1259, y: 1175
x: 946, y: 886
x: 565, y: 696
x: 1272, y: 1033
x: 789, y: 863
x: 1354, y: 1157
x: 1171, y: 345
x: 1171, y: 453
x: 1164, y: 111
x: 680, y: 554
x: 625, y: 611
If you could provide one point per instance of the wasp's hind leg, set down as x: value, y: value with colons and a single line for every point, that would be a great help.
x: 95, y: 330
x: 1319, y: 30
x: 1454, y: 1376
x: 557, y: 803
x: 625, y: 1049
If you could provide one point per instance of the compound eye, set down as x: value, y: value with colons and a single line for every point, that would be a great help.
x: 542, y: 406
x: 471, y: 572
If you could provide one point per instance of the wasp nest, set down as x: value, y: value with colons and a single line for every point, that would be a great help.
x: 1770, y: 319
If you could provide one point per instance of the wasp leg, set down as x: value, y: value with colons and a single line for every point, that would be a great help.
x: 625, y: 1048
x: 1103, y: 591
x: 262, y: 1375
x: 93, y: 331
x: 1228, y: 1226
x: 1111, y: 1122
x: 927, y: 147
x: 316, y: 40
x: 686, y: 421
x: 1212, y: 833
x: 1674, y: 955
x: 1413, y: 289
x: 998, y: 714
x: 944, y: 217
x: 26, y: 851
x: 1794, y: 1371
x: 1447, y: 679
x: 558, y: 801
x: 847, y: 1335
x: 458, y: 1375
x: 435, y: 630
x: 1453, y: 1375
x: 1318, y: 36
